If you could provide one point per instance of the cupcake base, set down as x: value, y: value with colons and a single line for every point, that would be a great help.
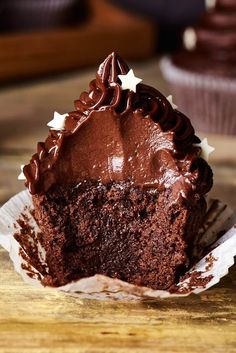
x: 119, y: 230
x: 219, y: 249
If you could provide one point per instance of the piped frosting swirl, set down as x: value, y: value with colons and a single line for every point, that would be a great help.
x: 118, y: 135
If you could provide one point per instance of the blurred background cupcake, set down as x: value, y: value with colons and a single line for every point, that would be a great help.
x: 29, y: 15
x: 202, y: 77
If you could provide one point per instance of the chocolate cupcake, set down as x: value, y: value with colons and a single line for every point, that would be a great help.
x: 203, y: 76
x: 119, y: 185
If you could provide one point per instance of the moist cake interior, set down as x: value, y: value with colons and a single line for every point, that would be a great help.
x: 117, y: 230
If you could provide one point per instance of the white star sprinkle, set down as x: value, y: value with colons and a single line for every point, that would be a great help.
x: 190, y: 39
x: 58, y: 121
x: 129, y: 81
x: 210, y: 4
x: 206, y: 149
x: 170, y: 99
x: 21, y: 176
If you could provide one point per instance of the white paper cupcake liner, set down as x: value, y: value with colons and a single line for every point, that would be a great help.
x: 208, y: 101
x: 217, y: 255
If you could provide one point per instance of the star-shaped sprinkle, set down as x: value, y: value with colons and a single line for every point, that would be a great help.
x: 170, y: 99
x: 58, y: 121
x: 21, y: 176
x: 190, y: 38
x: 129, y: 81
x: 210, y: 4
x: 206, y: 149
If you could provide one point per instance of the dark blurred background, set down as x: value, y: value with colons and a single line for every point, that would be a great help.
x: 42, y: 37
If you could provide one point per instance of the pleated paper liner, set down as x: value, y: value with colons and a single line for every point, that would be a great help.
x: 215, y: 250
x: 209, y: 101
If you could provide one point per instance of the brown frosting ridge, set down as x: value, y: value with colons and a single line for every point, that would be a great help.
x: 119, y: 135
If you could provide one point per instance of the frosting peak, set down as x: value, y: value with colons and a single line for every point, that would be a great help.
x: 105, y: 90
x: 111, y: 68
x: 119, y: 135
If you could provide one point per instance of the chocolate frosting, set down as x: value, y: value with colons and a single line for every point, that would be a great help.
x: 118, y: 135
x: 215, y: 51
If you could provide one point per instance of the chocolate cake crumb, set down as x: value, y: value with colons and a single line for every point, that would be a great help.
x: 29, y: 241
x: 210, y: 259
x: 117, y: 230
x: 30, y: 271
x: 196, y: 280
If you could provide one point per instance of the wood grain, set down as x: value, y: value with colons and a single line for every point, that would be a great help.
x: 34, y: 320
x: 43, y: 320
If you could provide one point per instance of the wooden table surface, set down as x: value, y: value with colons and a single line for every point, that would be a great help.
x: 43, y: 320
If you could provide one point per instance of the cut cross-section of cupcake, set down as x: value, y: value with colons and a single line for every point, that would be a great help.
x: 119, y: 191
